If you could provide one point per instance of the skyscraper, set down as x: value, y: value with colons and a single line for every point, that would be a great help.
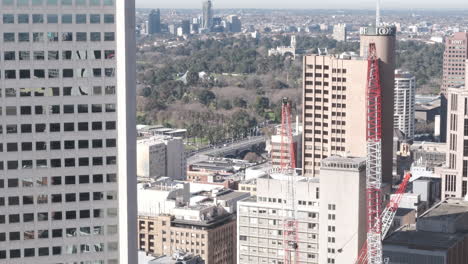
x: 207, y: 20
x: 455, y: 174
x: 235, y: 24
x: 67, y: 161
x: 154, y: 22
x: 405, y: 91
x: 455, y: 54
x: 456, y: 48
x: 334, y: 106
x: 339, y: 32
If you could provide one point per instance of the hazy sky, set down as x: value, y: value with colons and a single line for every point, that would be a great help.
x: 307, y: 4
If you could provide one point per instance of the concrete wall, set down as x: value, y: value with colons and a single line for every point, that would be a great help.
x: 344, y: 190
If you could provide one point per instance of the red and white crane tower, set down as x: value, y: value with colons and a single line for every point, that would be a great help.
x: 378, y: 222
x: 374, y: 159
x: 288, y: 168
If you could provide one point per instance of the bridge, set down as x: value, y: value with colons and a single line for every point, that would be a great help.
x: 230, y: 150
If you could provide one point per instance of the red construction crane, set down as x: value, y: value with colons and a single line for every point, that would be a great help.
x: 387, y: 216
x: 288, y: 167
x: 374, y: 158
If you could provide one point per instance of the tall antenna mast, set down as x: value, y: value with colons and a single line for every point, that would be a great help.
x: 377, y: 15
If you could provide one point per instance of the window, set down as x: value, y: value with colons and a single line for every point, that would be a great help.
x: 96, y: 125
x: 109, y: 54
x: 109, y: 19
x: 67, y: 36
x: 109, y: 36
x: 9, y: 56
x: 67, y: 73
x: 95, y: 19
x: 23, y: 19
x: 52, y: 36
x: 25, y: 74
x: 39, y: 55
x: 8, y: 37
x: 95, y: 36
x: 67, y: 19
x: 83, y: 144
x: 37, y: 18
x: 24, y: 55
x: 80, y: 19
x: 10, y: 74
x: 68, y: 109
x: 8, y: 19
x: 38, y: 37
x: 110, y: 125
x: 66, y: 55
x: 23, y: 37
x: 81, y: 36
x: 52, y: 19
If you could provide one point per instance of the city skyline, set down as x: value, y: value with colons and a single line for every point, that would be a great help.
x: 302, y: 4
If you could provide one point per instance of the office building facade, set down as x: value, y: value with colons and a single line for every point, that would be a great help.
x: 455, y: 173
x: 154, y: 22
x: 67, y: 181
x: 456, y: 48
x: 334, y: 103
x: 339, y: 32
x: 208, y: 232
x: 207, y: 19
x: 454, y: 69
x: 404, y: 103
x: 161, y: 156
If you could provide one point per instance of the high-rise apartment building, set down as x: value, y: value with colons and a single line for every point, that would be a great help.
x: 331, y: 215
x: 456, y: 48
x: 260, y: 221
x: 154, y: 22
x: 455, y: 174
x: 404, y: 103
x: 334, y: 106
x: 235, y: 24
x: 455, y: 54
x: 339, y: 32
x: 342, y: 218
x: 207, y: 19
x: 67, y: 148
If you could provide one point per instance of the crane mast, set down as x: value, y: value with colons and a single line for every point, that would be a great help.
x: 374, y: 159
x: 288, y: 166
x: 387, y: 217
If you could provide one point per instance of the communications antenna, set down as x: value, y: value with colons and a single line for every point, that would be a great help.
x: 378, y: 21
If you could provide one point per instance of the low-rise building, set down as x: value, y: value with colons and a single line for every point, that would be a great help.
x: 439, y: 237
x: 275, y: 144
x: 161, y: 156
x: 208, y: 231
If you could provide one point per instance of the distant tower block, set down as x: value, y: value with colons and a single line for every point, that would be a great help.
x: 293, y: 41
x: 384, y: 39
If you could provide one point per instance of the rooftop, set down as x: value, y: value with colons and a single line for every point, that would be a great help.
x: 424, y: 240
x: 403, y: 211
x: 447, y: 210
x: 337, y: 162
x: 231, y: 195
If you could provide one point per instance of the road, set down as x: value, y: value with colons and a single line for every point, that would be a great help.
x: 202, y: 155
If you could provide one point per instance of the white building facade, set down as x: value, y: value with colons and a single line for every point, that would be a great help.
x: 161, y: 156
x: 404, y: 103
x: 67, y: 156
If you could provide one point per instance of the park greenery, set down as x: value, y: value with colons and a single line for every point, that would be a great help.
x: 221, y: 88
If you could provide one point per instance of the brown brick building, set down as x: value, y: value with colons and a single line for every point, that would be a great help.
x: 207, y: 231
